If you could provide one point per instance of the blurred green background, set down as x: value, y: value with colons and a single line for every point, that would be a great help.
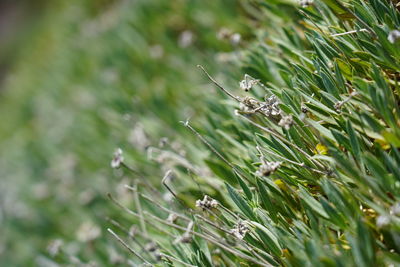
x: 79, y: 79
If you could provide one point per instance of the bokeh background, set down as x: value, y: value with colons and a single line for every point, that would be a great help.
x: 80, y: 78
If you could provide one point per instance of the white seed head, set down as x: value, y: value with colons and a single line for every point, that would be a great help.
x: 382, y: 221
x: 240, y: 230
x: 207, y: 203
x: 117, y: 159
x: 286, y: 122
x: 395, y: 209
x: 393, y: 36
x: 306, y: 3
x: 267, y: 168
x: 235, y: 38
x: 247, y: 83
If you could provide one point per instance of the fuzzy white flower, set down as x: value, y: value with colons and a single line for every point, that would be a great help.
x: 247, y: 83
x: 240, y: 230
x: 286, y: 122
x: 306, y: 3
x: 117, y: 159
x: 393, y: 36
x: 382, y: 221
x: 207, y: 203
x: 235, y: 38
x: 267, y: 168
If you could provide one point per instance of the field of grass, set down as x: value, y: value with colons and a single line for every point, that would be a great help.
x: 251, y: 133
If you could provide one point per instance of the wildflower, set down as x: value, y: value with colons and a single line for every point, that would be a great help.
x: 224, y: 33
x: 247, y: 83
x: 185, y: 39
x: 118, y: 159
x: 267, y: 168
x: 207, y: 203
x: 54, y: 247
x: 286, y: 122
x: 151, y: 247
x: 395, y: 209
x: 249, y: 105
x: 304, y: 109
x: 271, y: 106
x: 88, y: 232
x: 393, y: 36
x: 235, y: 38
x: 306, y: 3
x: 382, y: 221
x: 240, y: 230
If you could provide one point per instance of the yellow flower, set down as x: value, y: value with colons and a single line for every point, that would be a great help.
x: 321, y: 149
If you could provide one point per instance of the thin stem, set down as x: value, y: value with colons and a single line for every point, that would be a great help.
x: 218, y: 85
x: 271, y: 132
x: 349, y: 32
x: 128, y: 247
x: 139, y: 209
x: 177, y: 260
x: 187, y: 125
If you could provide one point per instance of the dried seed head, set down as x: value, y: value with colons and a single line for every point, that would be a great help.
x: 117, y: 159
x: 393, y: 36
x: 185, y: 238
x: 207, y: 203
x: 306, y: 3
x: 304, y: 109
x: 286, y: 122
x: 267, y: 168
x: 240, y: 230
x: 271, y: 106
x: 172, y: 217
x: 247, y: 83
x: 163, y: 142
x: 249, y: 104
x: 224, y: 33
x: 151, y: 247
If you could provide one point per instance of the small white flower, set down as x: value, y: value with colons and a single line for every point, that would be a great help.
x: 207, y: 203
x: 395, y: 209
x: 54, y: 247
x: 235, y: 38
x: 306, y: 3
x: 271, y: 106
x: 118, y: 159
x: 286, y: 122
x: 382, y: 221
x: 88, y: 231
x: 247, y: 83
x: 151, y: 247
x: 185, y: 39
x: 267, y: 168
x: 393, y: 36
x: 240, y: 230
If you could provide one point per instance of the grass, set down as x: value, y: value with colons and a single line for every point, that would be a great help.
x: 299, y: 169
